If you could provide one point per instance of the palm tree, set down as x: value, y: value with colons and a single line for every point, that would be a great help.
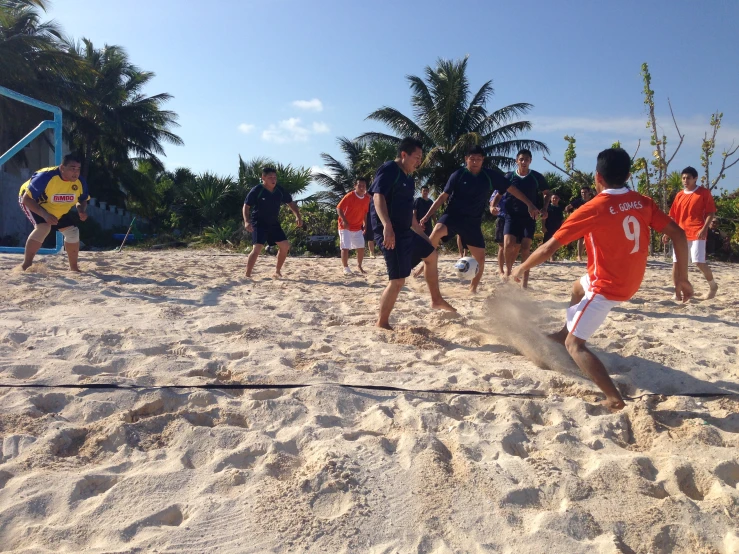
x: 448, y: 121
x: 293, y: 179
x: 32, y: 62
x: 207, y: 198
x: 340, y: 176
x: 111, y: 121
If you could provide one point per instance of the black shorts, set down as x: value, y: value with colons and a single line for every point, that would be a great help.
x: 267, y: 234
x: 410, y: 249
x: 469, y: 230
x: 520, y: 226
x: 67, y: 220
x: 499, y: 227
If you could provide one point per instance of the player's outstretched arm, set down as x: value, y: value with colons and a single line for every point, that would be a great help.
x: 434, y: 207
x: 540, y: 255
x: 683, y: 288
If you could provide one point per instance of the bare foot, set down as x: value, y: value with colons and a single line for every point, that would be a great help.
x: 713, y: 291
x: 277, y: 275
x: 25, y: 267
x: 442, y: 305
x: 359, y: 267
x: 247, y: 275
x: 473, y: 289
x: 614, y: 404
x: 384, y: 325
x: 75, y: 270
x: 579, y: 259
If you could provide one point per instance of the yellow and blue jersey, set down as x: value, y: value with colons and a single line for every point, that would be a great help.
x: 53, y: 193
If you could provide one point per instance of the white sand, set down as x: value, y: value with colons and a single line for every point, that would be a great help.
x: 330, y: 469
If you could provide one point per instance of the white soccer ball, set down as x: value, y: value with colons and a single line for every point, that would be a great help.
x: 466, y: 268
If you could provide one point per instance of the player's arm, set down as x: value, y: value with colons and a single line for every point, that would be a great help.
x: 540, y: 255
x: 342, y: 216
x: 82, y: 210
x: 516, y: 193
x: 418, y: 228
x: 434, y: 207
x: 388, y: 238
x: 494, y: 204
x: 683, y: 288
x: 704, y: 231
x: 547, y: 199
x: 294, y: 209
x: 245, y: 212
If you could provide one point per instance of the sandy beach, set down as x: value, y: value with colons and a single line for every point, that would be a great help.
x: 537, y: 467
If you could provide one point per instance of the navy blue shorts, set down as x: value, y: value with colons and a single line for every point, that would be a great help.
x: 469, y: 230
x: 520, y: 226
x: 267, y: 234
x: 499, y: 228
x: 410, y: 249
x: 67, y: 220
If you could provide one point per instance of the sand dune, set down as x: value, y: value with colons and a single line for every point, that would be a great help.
x: 333, y: 469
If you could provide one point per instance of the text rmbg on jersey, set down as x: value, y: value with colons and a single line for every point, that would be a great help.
x: 63, y: 198
x: 636, y: 205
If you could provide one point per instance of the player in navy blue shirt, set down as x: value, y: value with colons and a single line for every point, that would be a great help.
x: 262, y: 219
x: 520, y: 223
x: 397, y: 232
x: 468, y: 190
x: 497, y: 208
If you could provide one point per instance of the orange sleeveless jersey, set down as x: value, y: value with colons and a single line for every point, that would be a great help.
x: 615, y: 225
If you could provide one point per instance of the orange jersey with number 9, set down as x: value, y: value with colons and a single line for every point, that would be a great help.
x: 615, y: 225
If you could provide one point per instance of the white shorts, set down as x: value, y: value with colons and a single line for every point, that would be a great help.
x: 351, y: 240
x: 583, y: 319
x: 697, y: 250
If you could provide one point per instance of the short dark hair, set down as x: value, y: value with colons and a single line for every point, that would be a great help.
x: 363, y: 179
x: 476, y: 149
x: 267, y: 169
x: 614, y: 165
x: 425, y: 187
x: 71, y: 158
x: 690, y: 170
x: 525, y: 152
x: 409, y: 145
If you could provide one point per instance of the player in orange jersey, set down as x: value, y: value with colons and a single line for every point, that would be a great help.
x: 615, y: 225
x: 693, y: 210
x: 353, y: 210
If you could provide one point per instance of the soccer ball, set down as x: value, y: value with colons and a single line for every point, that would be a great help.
x: 466, y: 268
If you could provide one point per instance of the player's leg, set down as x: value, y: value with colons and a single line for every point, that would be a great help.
x: 479, y: 255
x: 345, y: 261
x: 72, y: 245
x: 360, y: 259
x: 580, y: 244
x: 437, y: 235
x: 460, y: 246
x: 578, y: 293
x: 594, y: 368
x: 34, y: 242
x: 525, y: 253
x: 501, y: 259
x: 256, y: 249
x: 283, y: 249
x: 698, y: 254
x: 387, y: 302
x: 371, y: 247
x: 421, y: 249
x: 499, y: 240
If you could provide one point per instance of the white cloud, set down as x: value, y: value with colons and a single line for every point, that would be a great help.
x: 287, y: 130
x: 246, y: 128
x: 314, y: 105
x: 292, y: 130
x: 320, y: 127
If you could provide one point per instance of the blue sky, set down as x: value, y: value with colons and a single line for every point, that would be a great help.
x: 284, y: 78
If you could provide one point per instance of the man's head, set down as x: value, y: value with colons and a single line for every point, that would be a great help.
x: 689, y: 177
x: 410, y: 154
x: 554, y: 200
x: 523, y: 160
x: 586, y: 193
x: 714, y: 223
x: 612, y: 169
x: 70, y: 168
x: 425, y: 192
x: 269, y: 176
x: 474, y: 158
x: 360, y: 186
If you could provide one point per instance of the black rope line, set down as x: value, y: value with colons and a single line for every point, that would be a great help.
x: 283, y: 386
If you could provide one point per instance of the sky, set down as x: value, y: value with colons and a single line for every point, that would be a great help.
x: 285, y: 78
